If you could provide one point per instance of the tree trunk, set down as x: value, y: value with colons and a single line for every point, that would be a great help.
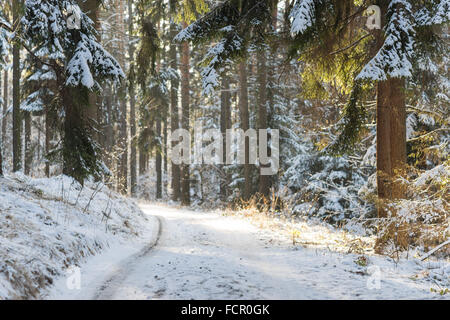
x: 123, y: 185
x: 165, y: 153
x: 28, y: 152
x: 245, y: 124
x: 142, y: 162
x: 92, y: 112
x: 391, y: 134
x: 267, y: 181
x: 133, y: 172
x: 17, y: 119
x: 48, y: 137
x: 174, y: 119
x: 73, y: 129
x: 391, y: 139
x: 5, y: 104
x: 225, y: 123
x: 158, y: 160
x: 185, y: 182
x: 123, y: 139
x: 1, y: 143
x: 398, y: 136
x: 108, y: 129
x: 1, y: 160
x: 264, y: 180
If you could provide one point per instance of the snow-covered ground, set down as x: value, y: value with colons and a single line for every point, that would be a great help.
x: 197, y: 255
x: 50, y: 226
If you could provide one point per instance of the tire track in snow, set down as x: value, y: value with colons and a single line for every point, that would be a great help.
x: 109, y: 287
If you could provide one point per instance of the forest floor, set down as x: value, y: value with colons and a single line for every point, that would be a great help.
x: 210, y: 255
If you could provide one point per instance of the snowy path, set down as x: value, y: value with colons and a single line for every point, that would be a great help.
x: 208, y: 256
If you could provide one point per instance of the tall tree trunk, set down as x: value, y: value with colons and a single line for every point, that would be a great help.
x: 133, y: 164
x: 391, y: 139
x: 123, y: 149
x: 17, y: 118
x: 264, y: 180
x: 225, y: 123
x: 1, y: 141
x: 108, y: 130
x: 28, y: 152
x: 185, y: 182
x: 165, y: 153
x: 174, y: 118
x: 384, y: 167
x: 38, y: 146
x: 1, y: 159
x: 73, y: 130
x: 391, y: 133
x: 398, y: 137
x: 92, y: 112
x: 5, y: 104
x: 48, y: 137
x: 158, y: 160
x: 245, y: 124
x: 123, y: 139
x: 142, y: 162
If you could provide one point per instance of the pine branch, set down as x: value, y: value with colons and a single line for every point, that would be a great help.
x: 351, y: 45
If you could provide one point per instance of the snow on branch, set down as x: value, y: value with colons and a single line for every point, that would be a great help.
x: 394, y: 57
x: 78, y: 70
x: 91, y: 61
x: 302, y: 15
x: 187, y: 34
x: 217, y: 57
x: 51, y: 37
x: 439, y: 15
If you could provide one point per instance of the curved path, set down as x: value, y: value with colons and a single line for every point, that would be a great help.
x: 115, y: 280
x: 209, y: 256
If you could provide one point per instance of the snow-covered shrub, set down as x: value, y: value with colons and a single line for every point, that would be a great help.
x: 326, y: 187
x: 423, y: 219
x: 146, y: 186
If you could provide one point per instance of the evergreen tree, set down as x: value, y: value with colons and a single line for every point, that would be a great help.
x: 80, y: 64
x: 388, y: 59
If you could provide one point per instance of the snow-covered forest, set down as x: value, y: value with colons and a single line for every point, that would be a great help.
x: 344, y: 110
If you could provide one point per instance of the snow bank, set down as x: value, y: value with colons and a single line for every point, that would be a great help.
x: 49, y: 225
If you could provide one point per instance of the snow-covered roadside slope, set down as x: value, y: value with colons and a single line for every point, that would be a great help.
x: 49, y: 225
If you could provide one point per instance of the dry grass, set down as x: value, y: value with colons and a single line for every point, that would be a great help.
x: 422, y: 220
x: 275, y: 215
